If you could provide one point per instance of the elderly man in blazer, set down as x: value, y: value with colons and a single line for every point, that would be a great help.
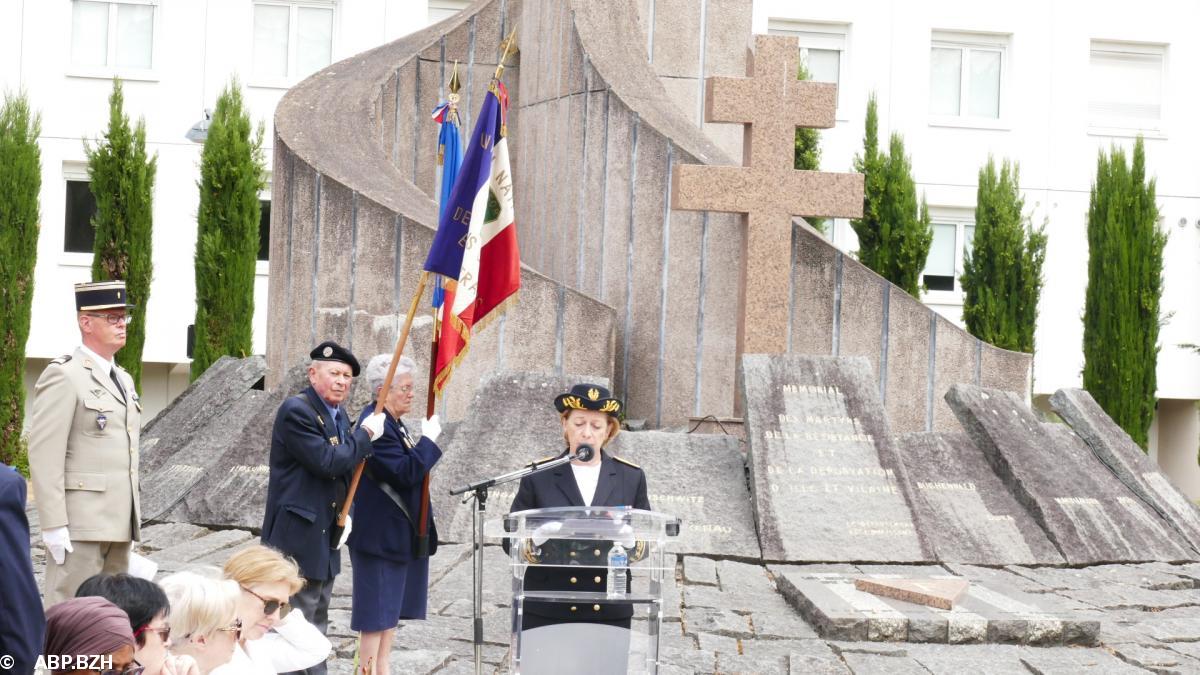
x: 314, y: 450
x: 83, y: 448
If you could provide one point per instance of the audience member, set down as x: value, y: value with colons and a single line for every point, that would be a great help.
x: 92, y: 627
x: 204, y: 623
x: 146, y: 605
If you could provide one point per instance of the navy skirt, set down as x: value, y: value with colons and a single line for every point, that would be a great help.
x: 387, y: 592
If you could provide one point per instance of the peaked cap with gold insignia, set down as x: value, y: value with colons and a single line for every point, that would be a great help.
x: 588, y: 397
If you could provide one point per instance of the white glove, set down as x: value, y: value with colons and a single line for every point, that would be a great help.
x: 373, y: 426
x: 346, y: 532
x: 625, y: 537
x: 543, y: 532
x: 431, y: 429
x: 181, y: 664
x: 58, y: 542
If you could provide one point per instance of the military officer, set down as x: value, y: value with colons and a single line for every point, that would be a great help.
x: 83, y: 448
x: 589, y: 416
x: 314, y: 451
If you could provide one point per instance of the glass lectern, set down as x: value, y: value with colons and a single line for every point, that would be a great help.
x: 574, y: 620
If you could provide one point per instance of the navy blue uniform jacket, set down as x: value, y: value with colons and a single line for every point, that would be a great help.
x: 22, y: 621
x: 380, y: 527
x: 312, y: 459
x: 620, y: 484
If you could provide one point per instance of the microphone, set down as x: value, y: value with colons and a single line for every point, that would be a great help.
x: 584, y: 453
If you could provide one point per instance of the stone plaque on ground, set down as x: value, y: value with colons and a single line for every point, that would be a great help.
x: 939, y: 593
x: 985, y: 613
x: 1089, y: 514
x: 967, y: 513
x: 512, y: 422
x: 1115, y: 448
x: 700, y: 479
x: 825, y: 478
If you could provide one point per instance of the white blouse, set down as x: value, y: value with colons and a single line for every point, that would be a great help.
x: 293, y: 644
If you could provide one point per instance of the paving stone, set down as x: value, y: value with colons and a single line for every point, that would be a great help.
x: 706, y: 596
x: 958, y: 659
x: 781, y: 623
x: 698, y: 570
x: 1147, y: 576
x: 1005, y: 576
x: 165, y: 535
x: 419, y: 661
x: 718, y: 622
x: 744, y: 580
x: 1066, y: 661
x: 689, y: 659
x: 194, y: 549
x: 874, y: 664
x: 817, y: 662
x: 1118, y: 596
x: 735, y: 663
x: 1173, y: 630
x: 717, y: 643
x: 1157, y: 659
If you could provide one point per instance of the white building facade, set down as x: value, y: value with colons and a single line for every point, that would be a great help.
x: 1047, y: 84
x: 174, y: 57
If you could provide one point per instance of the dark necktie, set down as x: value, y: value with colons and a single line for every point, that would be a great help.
x: 112, y: 372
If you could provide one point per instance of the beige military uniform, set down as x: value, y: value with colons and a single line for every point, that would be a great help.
x: 83, y: 460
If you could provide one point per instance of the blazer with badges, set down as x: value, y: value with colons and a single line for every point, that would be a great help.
x: 312, y: 457
x: 83, y: 450
x: 381, y: 528
x: 621, y: 484
x: 22, y: 619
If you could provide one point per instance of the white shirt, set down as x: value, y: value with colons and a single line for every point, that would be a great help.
x: 293, y: 644
x: 104, y: 363
x: 586, y: 477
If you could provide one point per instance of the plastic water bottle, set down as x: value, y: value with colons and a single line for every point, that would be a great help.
x: 618, y: 567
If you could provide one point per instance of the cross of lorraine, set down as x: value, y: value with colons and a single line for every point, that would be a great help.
x: 771, y: 101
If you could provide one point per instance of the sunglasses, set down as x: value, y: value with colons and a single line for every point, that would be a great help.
x: 235, y: 628
x: 131, y: 669
x: 269, y: 606
x: 164, y: 633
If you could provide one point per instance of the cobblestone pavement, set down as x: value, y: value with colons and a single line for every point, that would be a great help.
x: 724, y: 616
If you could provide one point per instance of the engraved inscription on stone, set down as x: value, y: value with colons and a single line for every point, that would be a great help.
x: 822, y: 492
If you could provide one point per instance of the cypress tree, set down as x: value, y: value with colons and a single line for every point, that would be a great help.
x: 894, y: 234
x: 1121, y: 310
x: 20, y: 185
x: 1002, y: 275
x: 808, y: 152
x: 231, y: 175
x: 122, y: 180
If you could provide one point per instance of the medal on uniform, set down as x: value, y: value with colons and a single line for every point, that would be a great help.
x: 101, y: 421
x: 408, y: 441
x: 333, y: 440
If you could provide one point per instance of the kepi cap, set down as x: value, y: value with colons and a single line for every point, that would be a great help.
x: 588, y: 397
x: 332, y: 351
x: 93, y: 295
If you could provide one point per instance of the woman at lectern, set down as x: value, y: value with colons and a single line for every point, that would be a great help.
x: 589, y: 417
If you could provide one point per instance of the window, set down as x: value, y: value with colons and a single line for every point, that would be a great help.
x: 291, y: 41
x: 953, y: 235
x: 822, y: 49
x: 966, y: 76
x: 113, y: 35
x: 440, y: 10
x: 78, y: 233
x: 1125, y: 87
x: 264, y: 230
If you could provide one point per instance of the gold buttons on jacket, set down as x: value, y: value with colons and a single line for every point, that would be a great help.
x: 596, y: 553
x: 573, y: 580
x: 572, y: 554
x: 595, y: 608
x: 573, y: 608
x: 597, y: 579
x: 79, y: 484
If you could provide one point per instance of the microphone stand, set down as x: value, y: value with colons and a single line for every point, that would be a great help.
x: 479, y: 492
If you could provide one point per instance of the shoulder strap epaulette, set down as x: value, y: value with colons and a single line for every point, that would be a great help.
x: 626, y: 462
x: 61, y: 360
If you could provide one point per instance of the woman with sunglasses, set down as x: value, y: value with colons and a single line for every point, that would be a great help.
x: 92, y: 626
x: 204, y: 623
x: 146, y: 605
x: 274, y: 638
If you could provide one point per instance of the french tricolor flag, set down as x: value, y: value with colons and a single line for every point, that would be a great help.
x: 476, y: 241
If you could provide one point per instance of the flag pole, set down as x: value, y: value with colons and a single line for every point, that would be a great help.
x: 430, y: 403
x: 387, y: 386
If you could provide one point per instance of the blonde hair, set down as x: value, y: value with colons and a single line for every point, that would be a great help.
x: 200, y: 605
x: 614, y: 428
x: 260, y: 564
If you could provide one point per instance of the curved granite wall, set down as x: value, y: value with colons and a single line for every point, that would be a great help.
x: 605, y: 99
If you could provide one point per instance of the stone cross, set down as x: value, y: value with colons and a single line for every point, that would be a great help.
x: 772, y: 102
